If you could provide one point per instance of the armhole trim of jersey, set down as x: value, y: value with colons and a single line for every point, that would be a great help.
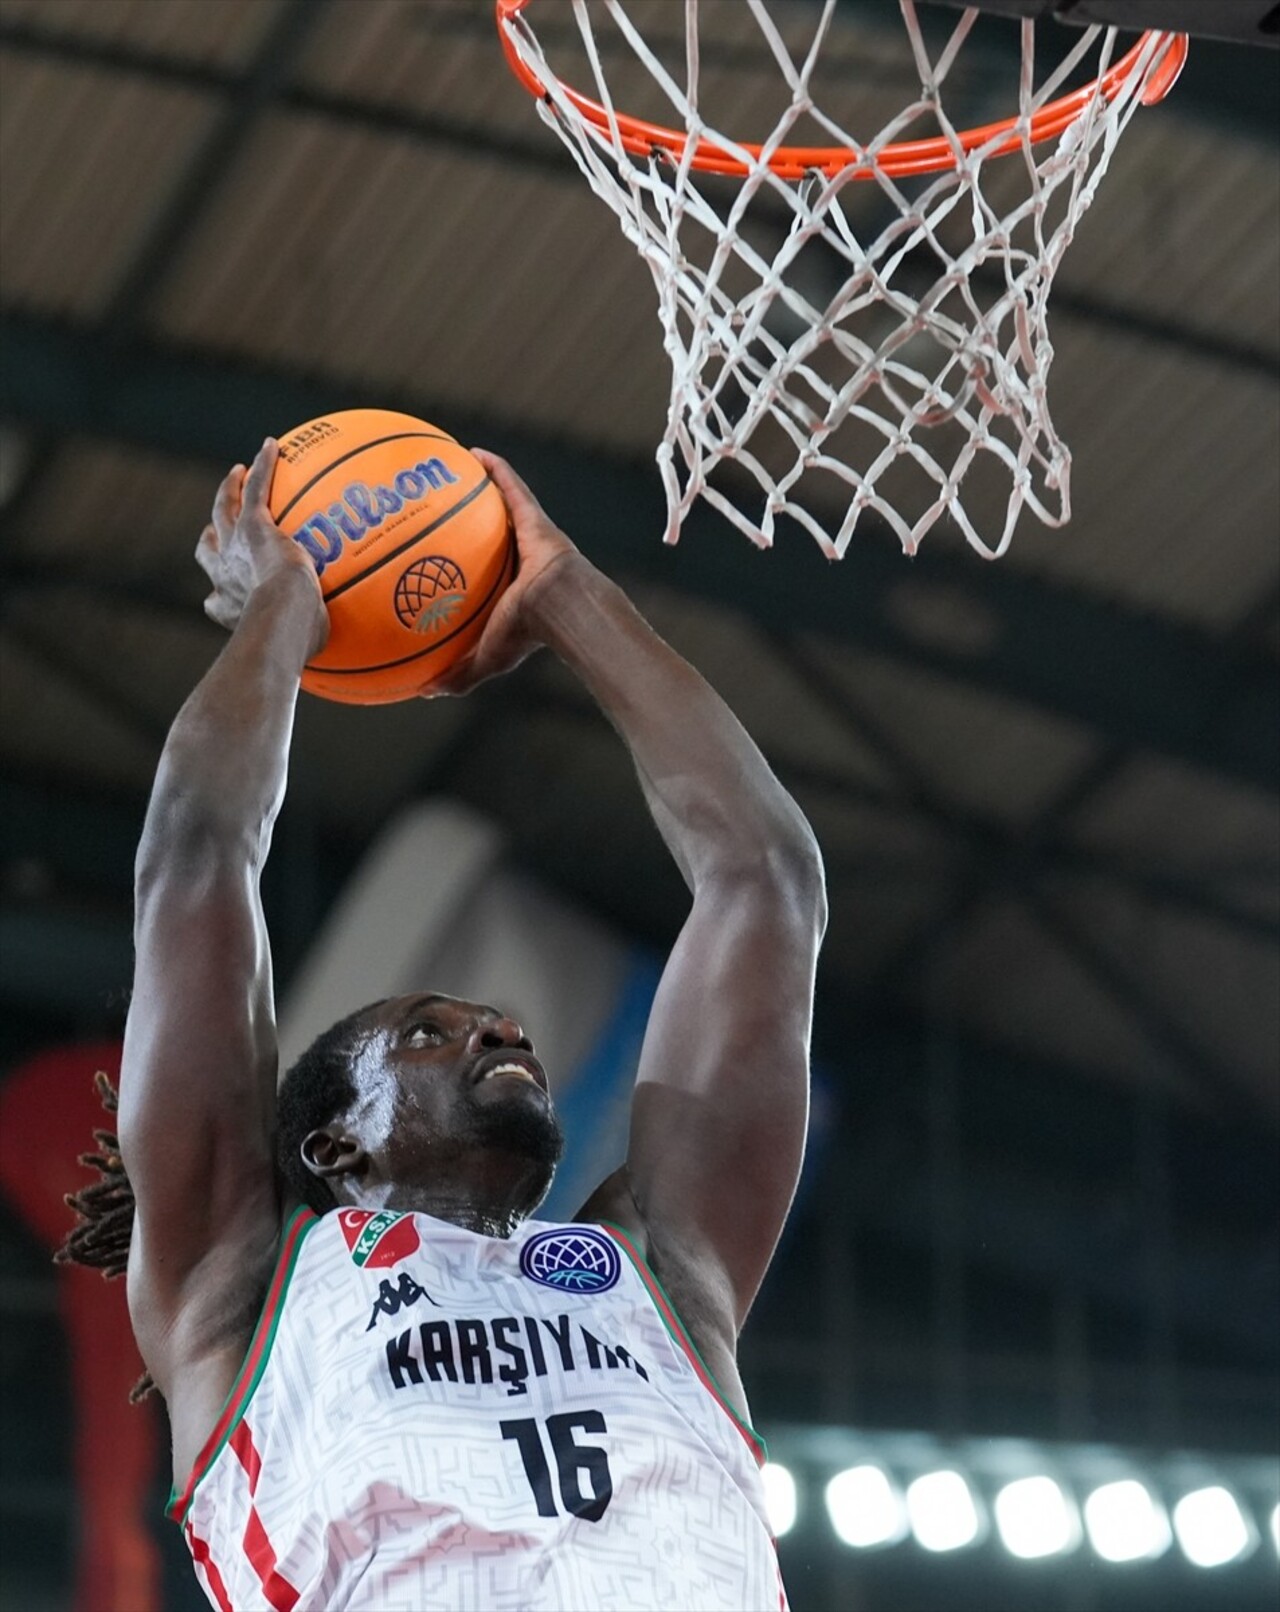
x: 250, y: 1373
x: 676, y: 1327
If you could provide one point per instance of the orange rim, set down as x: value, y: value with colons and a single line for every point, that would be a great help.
x: 899, y: 160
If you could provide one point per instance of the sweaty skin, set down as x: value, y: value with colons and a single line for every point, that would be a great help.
x: 453, y: 1117
x: 720, y: 1105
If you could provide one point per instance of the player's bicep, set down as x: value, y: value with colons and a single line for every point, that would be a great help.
x: 721, y: 1102
x: 197, y: 1073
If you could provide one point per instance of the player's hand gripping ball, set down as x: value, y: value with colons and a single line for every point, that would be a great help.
x: 411, y: 542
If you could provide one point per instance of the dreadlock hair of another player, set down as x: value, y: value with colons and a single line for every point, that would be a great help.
x: 316, y: 1089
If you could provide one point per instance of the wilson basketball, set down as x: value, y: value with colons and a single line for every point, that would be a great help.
x: 411, y: 542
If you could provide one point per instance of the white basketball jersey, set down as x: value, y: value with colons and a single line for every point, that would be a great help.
x: 432, y: 1419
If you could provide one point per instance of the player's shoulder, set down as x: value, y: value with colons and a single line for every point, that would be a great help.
x: 613, y: 1204
x: 692, y: 1279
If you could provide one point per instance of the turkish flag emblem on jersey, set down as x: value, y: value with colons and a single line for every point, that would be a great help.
x: 378, y: 1240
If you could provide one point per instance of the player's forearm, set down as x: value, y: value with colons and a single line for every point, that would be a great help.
x: 713, y: 796
x: 222, y: 774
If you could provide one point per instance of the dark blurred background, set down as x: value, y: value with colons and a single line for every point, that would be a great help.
x: 1037, y: 1232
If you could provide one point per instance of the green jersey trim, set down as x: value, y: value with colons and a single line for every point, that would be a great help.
x: 680, y: 1336
x: 255, y: 1361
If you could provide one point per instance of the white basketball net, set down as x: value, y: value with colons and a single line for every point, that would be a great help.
x: 850, y: 368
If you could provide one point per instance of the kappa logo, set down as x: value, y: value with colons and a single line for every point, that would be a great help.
x: 378, y: 1240
x: 573, y: 1259
x: 391, y: 1300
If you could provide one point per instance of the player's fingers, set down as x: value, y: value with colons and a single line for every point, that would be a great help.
x: 517, y: 492
x: 257, y: 483
x: 226, y: 503
x: 217, y: 610
x: 207, y: 547
x: 457, y: 680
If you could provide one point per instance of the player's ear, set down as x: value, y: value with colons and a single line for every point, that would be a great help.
x: 330, y: 1152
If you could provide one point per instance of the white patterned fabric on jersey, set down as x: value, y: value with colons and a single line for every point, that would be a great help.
x: 432, y: 1419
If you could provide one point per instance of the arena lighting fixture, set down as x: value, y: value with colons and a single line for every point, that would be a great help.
x: 1126, y: 1523
x: 1036, y: 1518
x: 865, y: 1507
x: 1128, y: 1514
x: 779, y: 1497
x: 942, y: 1511
x: 1211, y: 1527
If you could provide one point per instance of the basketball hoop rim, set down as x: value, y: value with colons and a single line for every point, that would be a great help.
x: 898, y: 160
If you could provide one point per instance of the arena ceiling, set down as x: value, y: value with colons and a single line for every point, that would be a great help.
x: 1046, y: 788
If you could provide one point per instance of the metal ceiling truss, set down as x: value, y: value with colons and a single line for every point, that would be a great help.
x: 1036, y: 846
x: 261, y: 84
x: 254, y: 90
x: 35, y: 39
x: 985, y: 841
x: 1010, y: 859
x: 1184, y: 1055
x: 90, y: 682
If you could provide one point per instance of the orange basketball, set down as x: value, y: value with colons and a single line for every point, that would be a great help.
x: 411, y: 542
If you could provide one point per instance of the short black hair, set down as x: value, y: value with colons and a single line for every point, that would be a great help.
x: 315, y: 1090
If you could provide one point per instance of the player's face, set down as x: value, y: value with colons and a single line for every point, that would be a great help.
x: 441, y: 1081
x: 439, y: 1043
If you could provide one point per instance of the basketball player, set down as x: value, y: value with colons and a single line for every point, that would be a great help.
x: 388, y: 1386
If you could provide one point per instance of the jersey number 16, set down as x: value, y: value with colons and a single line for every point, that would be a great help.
x: 573, y: 1462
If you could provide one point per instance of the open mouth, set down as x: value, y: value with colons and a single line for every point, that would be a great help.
x: 508, y: 1067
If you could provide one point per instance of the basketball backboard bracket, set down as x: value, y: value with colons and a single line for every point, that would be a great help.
x: 1244, y: 22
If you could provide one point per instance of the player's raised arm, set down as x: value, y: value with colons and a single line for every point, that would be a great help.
x: 719, y: 1116
x: 199, y: 1066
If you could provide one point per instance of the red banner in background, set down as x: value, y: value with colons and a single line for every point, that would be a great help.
x: 49, y: 1110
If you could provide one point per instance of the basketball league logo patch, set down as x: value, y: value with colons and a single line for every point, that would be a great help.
x: 573, y: 1259
x: 429, y: 592
x: 378, y: 1240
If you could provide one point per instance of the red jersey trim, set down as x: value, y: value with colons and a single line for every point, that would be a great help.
x: 250, y: 1373
x: 676, y: 1328
x: 281, y: 1595
x: 200, y: 1552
